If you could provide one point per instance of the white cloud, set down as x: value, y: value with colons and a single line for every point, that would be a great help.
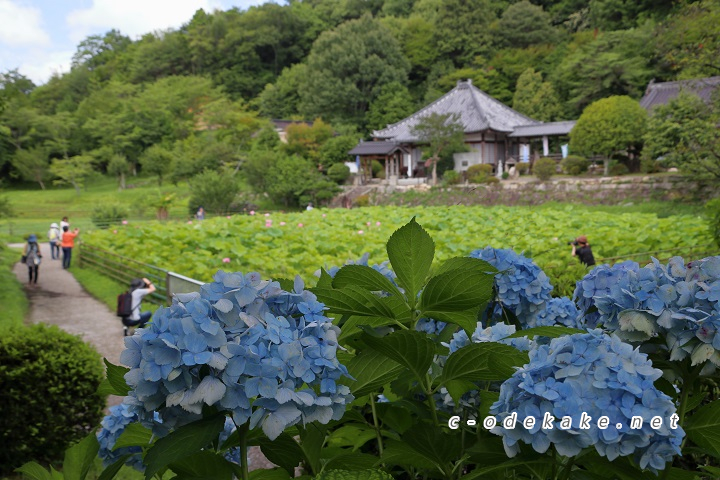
x: 45, y: 64
x: 134, y: 17
x: 21, y: 25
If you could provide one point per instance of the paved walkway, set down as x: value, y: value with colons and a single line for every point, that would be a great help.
x: 58, y: 299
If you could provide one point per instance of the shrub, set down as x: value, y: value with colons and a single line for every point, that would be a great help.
x: 545, y: 168
x: 48, y: 380
x: 362, y: 201
x: 479, y: 173
x: 523, y: 168
x: 713, y: 214
x: 451, y: 177
x: 215, y: 191
x: 618, y: 169
x: 649, y: 165
x: 106, y: 214
x: 574, y: 164
x: 378, y: 169
x: 505, y: 175
x: 338, y: 173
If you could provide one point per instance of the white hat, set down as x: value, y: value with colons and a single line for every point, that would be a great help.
x: 54, y: 225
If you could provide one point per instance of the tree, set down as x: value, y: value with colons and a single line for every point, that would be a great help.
x: 441, y: 132
x: 119, y: 166
x: 392, y: 104
x: 347, y: 68
x: 535, y: 98
x: 335, y: 150
x: 462, y: 29
x: 282, y: 98
x: 74, y: 171
x: 293, y: 180
x: 524, y: 24
x: 32, y: 164
x: 156, y: 160
x: 684, y: 134
x: 306, y: 140
x: 607, y: 126
x: 214, y: 191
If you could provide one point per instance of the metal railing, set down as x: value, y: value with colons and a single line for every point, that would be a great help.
x: 124, y: 270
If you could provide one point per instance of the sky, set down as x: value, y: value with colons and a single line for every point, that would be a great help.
x: 39, y: 37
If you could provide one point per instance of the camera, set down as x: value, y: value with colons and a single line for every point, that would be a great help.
x: 573, y: 242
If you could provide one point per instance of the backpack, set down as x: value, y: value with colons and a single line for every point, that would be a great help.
x: 33, y: 255
x: 124, y: 304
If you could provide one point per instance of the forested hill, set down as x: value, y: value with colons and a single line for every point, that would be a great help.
x: 203, y: 90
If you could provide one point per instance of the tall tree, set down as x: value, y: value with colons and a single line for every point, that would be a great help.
x: 524, y: 24
x: 393, y: 104
x: 684, y: 134
x: 535, y: 98
x: 120, y: 167
x: 347, y: 69
x: 74, y: 171
x: 608, y: 126
x: 32, y: 164
x: 462, y: 29
x: 441, y: 132
x: 156, y: 160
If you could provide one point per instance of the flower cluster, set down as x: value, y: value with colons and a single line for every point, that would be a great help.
x: 597, y: 375
x: 244, y: 346
x: 522, y: 287
x: 113, y: 425
x: 679, y: 303
x: 557, y: 311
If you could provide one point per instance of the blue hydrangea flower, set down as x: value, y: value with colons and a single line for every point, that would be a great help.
x: 113, y: 425
x: 601, y: 376
x: 558, y: 311
x: 522, y: 287
x: 244, y: 346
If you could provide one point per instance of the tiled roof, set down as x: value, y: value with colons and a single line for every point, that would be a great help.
x: 662, y: 93
x: 478, y: 112
x: 375, y: 148
x: 542, y: 129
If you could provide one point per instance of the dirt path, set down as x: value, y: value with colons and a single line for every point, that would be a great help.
x: 58, y: 299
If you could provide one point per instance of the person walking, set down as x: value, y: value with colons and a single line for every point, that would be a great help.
x: 32, y: 256
x: 68, y: 242
x: 139, y: 288
x: 55, y: 238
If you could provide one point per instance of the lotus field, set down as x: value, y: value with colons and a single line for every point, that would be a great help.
x: 284, y: 245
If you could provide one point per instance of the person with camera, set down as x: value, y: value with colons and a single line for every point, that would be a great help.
x: 139, y: 288
x: 581, y: 249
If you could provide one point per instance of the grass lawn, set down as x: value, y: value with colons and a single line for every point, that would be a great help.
x: 12, y: 296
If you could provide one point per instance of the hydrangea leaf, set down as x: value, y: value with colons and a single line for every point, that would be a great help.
x: 411, y: 349
x: 353, y: 301
x: 325, y: 280
x: 465, y: 263
x: 351, y: 461
x: 371, y: 370
x: 364, y: 277
x: 703, y: 428
x: 467, y: 319
x: 430, y: 441
x: 487, y: 451
x: 312, y: 439
x: 487, y: 398
x: 411, y: 251
x: 34, y: 471
x: 400, y: 453
x: 112, y: 469
x: 373, y: 474
x: 116, y: 378
x: 457, y: 291
x: 269, y: 474
x: 283, y: 452
x: 350, y: 327
x: 483, y: 361
x: 184, y: 441
x: 550, y: 332
x: 456, y: 388
x: 206, y: 465
x: 523, y: 465
x: 134, y: 435
x: 352, y: 435
x: 80, y: 457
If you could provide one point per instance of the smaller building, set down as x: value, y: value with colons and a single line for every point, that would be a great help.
x: 661, y: 93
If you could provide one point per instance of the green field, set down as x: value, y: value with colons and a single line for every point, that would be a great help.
x: 331, y: 237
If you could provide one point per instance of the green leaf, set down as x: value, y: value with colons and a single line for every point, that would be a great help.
x: 714, y: 470
x: 105, y: 389
x: 205, y: 465
x: 550, y: 332
x: 394, y: 417
x: 116, y: 378
x: 457, y: 291
x: 352, y: 435
x: 430, y: 441
x: 181, y: 443
x: 34, y: 471
x: 269, y: 474
x: 694, y: 401
x: 486, y: 400
x: 350, y: 327
x: 80, y: 457
x: 467, y: 319
x: 457, y: 388
x: 400, y: 453
x: 312, y: 438
x: 134, y: 435
x: 465, y: 263
x: 514, y: 464
x: 483, y: 361
x: 325, y: 280
x: 283, y: 452
x: 353, y: 300
x: 703, y: 428
x: 351, y: 461
x: 286, y: 284
x: 487, y: 451
x: 113, y: 469
x: 411, y: 251
x: 364, y: 277
x: 354, y: 475
x: 371, y: 370
x: 411, y: 349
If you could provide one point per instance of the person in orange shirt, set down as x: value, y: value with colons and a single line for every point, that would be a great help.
x: 68, y: 242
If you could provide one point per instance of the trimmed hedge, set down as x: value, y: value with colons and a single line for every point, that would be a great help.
x: 545, y: 168
x: 48, y: 398
x: 575, y: 165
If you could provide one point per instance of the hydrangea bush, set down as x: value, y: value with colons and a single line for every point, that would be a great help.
x: 430, y: 374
